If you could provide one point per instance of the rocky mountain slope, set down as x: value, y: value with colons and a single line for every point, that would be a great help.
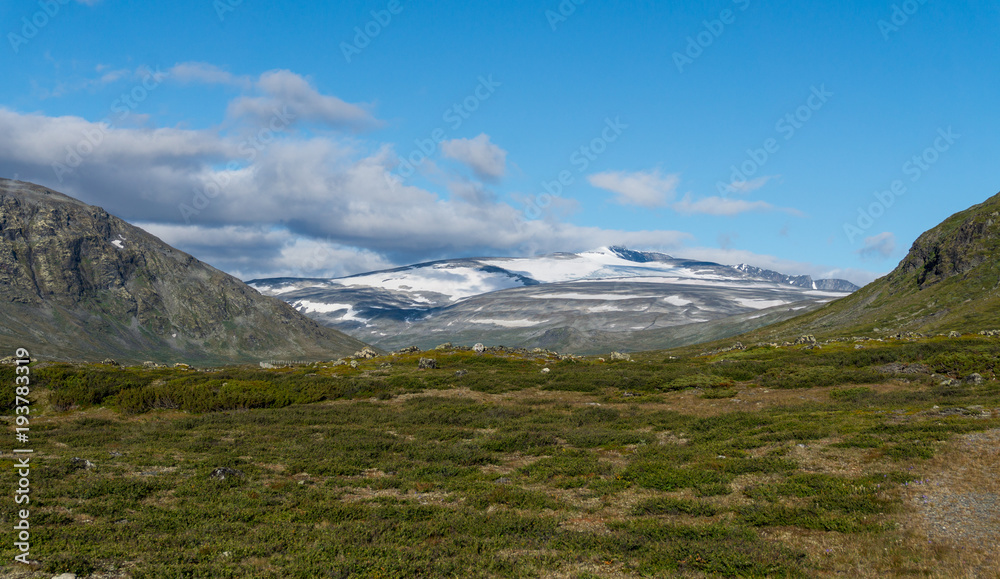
x: 949, y: 281
x: 573, y: 302
x: 78, y: 283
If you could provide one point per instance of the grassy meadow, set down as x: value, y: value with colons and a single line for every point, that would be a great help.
x: 763, y: 462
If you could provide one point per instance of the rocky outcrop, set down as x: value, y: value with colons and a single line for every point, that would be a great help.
x: 79, y: 283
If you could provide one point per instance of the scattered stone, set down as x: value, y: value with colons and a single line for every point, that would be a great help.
x: 954, y: 334
x: 479, y: 348
x: 620, y: 356
x: 82, y: 464
x: 408, y: 350
x: 149, y: 364
x: 545, y: 370
x: 805, y: 340
x: 949, y: 382
x: 461, y: 373
x: 444, y: 346
x: 114, y: 453
x: 427, y: 364
x: 900, y: 368
x: 224, y: 472
x: 975, y: 379
x: 537, y: 351
x: 366, y: 353
x: 339, y: 362
x: 8, y: 361
x: 990, y: 333
x: 503, y: 481
x: 182, y: 366
x: 110, y: 362
x: 738, y: 346
x: 65, y: 576
x: 354, y: 364
x: 382, y: 366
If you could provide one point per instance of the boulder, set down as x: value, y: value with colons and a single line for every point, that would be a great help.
x: 954, y: 334
x: 479, y: 348
x: 427, y: 364
x: 366, y: 353
x: 805, y: 340
x: 408, y: 350
x: 224, y: 472
x: 622, y: 356
x: 974, y: 379
x: 444, y: 346
x: 82, y: 464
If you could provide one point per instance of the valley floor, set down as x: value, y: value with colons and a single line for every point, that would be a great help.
x: 784, y: 462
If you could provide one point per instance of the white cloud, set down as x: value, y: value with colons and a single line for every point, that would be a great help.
x: 281, y: 89
x: 642, y: 188
x: 201, y: 72
x: 751, y: 185
x: 315, y: 188
x: 878, y: 246
x: 725, y: 207
x: 487, y: 160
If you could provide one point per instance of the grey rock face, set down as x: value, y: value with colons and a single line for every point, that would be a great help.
x: 427, y: 364
x: 79, y: 283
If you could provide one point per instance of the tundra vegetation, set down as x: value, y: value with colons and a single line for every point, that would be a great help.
x: 791, y: 461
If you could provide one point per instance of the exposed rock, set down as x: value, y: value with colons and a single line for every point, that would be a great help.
x: 224, y: 472
x: 805, y: 340
x: 82, y: 464
x: 354, y: 364
x: 95, y: 286
x: 366, y: 353
x: 622, y: 356
x: 479, y: 348
x: 900, y: 368
x: 954, y: 334
x: 461, y: 373
x: 545, y: 370
x: 267, y: 366
x: 110, y: 362
x: 974, y: 379
x: 149, y: 364
x: 991, y: 333
x: 65, y: 576
x: 948, y: 382
x: 408, y: 350
x: 427, y: 364
x: 182, y: 366
x: 444, y: 346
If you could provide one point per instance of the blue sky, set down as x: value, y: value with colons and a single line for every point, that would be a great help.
x: 310, y: 139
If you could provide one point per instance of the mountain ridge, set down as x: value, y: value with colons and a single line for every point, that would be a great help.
x: 78, y: 283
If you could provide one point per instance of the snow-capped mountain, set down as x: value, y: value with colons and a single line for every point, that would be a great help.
x: 562, y: 299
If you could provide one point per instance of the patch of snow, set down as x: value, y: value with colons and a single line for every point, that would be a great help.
x: 594, y: 297
x: 677, y: 301
x: 118, y: 243
x: 759, y: 304
x: 508, y: 323
x: 306, y: 306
